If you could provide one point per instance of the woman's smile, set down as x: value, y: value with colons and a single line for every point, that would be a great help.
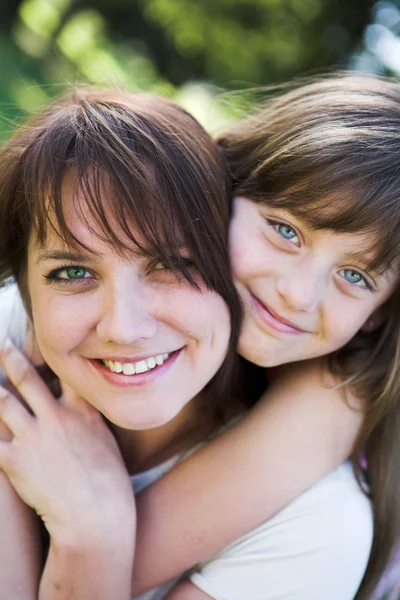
x: 125, y: 373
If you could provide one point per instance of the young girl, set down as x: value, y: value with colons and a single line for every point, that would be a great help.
x: 291, y: 338
x: 314, y: 236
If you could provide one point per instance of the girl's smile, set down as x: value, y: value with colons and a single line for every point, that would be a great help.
x: 273, y: 320
x: 305, y: 292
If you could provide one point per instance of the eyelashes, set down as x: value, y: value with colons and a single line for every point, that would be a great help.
x: 174, y: 265
x: 355, y: 278
x: 76, y: 274
x: 285, y: 231
x: 288, y: 235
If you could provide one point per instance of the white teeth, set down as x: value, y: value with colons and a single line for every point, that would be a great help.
x: 151, y: 362
x: 159, y: 359
x: 128, y: 369
x: 141, y: 366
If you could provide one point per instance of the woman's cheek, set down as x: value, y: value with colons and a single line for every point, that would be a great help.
x: 201, y: 315
x: 62, y: 322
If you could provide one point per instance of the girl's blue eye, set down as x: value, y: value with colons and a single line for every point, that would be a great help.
x: 287, y: 232
x: 355, y: 278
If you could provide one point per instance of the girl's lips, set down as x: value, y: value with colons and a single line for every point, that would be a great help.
x: 139, y: 379
x: 273, y: 320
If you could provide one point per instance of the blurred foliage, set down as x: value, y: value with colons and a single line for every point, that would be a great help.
x: 186, y: 49
x: 168, y: 46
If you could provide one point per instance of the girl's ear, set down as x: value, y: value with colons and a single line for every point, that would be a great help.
x: 375, y: 320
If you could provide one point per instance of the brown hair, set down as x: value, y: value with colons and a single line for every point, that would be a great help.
x: 167, y: 178
x: 329, y: 151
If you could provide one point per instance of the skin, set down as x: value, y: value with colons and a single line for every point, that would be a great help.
x: 282, y: 345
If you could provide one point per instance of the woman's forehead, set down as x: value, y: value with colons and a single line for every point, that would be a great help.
x: 81, y: 225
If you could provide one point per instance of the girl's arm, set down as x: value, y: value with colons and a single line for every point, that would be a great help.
x: 20, y: 548
x: 299, y: 431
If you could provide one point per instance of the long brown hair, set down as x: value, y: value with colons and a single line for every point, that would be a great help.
x: 329, y: 151
x: 166, y: 176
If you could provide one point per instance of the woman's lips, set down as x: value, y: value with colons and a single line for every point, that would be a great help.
x: 273, y: 320
x: 139, y: 379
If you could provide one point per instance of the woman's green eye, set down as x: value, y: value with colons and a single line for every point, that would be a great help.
x: 159, y: 266
x: 73, y: 273
x: 68, y: 275
x: 174, y: 265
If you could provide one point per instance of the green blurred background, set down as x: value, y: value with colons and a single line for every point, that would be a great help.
x: 191, y: 50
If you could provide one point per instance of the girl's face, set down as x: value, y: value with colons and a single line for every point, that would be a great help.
x: 305, y: 292
x: 132, y: 338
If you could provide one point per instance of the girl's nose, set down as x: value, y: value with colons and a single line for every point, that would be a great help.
x: 303, y: 288
x: 125, y: 318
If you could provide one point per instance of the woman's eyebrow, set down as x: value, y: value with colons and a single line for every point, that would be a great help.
x: 66, y: 255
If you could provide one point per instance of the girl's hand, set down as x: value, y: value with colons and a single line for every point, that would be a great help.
x: 62, y: 460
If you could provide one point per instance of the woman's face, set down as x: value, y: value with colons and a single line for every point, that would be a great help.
x: 305, y: 292
x: 129, y: 336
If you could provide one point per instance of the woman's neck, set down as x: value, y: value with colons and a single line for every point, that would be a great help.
x: 146, y: 448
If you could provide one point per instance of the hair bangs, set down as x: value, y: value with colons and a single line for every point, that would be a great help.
x: 347, y: 205
x: 127, y: 176
x: 339, y: 196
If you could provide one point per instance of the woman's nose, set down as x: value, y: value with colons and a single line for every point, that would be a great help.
x: 125, y: 318
x: 303, y: 288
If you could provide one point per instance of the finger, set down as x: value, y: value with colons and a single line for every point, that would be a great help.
x: 74, y: 401
x: 25, y: 379
x: 13, y: 414
x: 31, y: 349
x: 5, y: 456
x: 5, y: 433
